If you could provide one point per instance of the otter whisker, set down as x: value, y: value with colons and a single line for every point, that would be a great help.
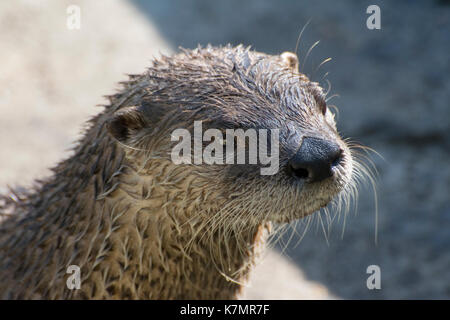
x: 331, y: 97
x: 318, y: 67
x: 300, y: 35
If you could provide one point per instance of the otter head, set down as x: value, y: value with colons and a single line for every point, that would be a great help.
x: 214, y: 92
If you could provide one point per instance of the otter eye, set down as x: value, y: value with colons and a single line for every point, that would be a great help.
x: 321, y: 102
x: 323, y: 108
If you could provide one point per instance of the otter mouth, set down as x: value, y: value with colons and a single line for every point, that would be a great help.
x: 286, y: 196
x: 306, y: 198
x: 313, y: 205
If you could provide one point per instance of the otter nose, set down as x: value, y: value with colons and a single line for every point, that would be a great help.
x: 315, y: 159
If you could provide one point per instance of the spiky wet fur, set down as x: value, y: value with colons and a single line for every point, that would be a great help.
x: 141, y: 227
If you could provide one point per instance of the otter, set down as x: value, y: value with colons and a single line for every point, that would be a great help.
x: 139, y: 226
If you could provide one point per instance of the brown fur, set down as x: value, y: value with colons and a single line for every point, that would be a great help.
x: 141, y: 227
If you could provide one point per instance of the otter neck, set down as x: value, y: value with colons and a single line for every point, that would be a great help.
x: 164, y: 234
x: 133, y: 235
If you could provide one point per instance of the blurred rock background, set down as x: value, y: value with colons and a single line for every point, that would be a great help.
x: 394, y: 94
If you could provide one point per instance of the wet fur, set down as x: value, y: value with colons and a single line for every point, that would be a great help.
x: 141, y: 227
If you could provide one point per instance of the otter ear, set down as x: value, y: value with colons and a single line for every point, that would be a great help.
x: 290, y: 60
x: 126, y: 123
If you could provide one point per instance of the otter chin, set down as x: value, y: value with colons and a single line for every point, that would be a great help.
x: 140, y: 225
